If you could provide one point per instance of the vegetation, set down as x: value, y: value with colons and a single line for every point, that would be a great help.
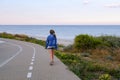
x: 94, y: 57
x: 87, y: 69
x: 85, y: 42
x: 22, y: 37
x: 105, y: 77
x: 90, y: 58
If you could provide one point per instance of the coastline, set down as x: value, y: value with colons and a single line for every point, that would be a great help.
x: 63, y: 42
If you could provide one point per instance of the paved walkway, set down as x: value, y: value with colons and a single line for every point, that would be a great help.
x: 30, y: 62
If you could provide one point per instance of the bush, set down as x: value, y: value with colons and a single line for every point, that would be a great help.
x: 22, y: 37
x: 105, y: 77
x: 110, y: 41
x: 84, y: 42
x: 6, y: 35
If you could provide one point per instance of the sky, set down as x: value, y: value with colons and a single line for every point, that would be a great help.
x: 59, y: 12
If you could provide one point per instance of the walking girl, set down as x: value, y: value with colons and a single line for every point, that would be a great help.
x: 51, y: 45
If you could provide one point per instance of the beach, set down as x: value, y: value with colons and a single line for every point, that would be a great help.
x: 63, y: 42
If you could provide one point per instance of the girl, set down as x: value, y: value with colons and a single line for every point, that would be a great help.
x: 51, y: 44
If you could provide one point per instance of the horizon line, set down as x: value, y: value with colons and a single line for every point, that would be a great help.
x: 56, y: 24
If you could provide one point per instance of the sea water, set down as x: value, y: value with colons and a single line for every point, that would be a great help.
x: 67, y: 32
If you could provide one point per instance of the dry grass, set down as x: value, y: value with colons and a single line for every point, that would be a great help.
x: 117, y: 57
x: 101, y: 56
x: 99, y: 53
x: 21, y: 36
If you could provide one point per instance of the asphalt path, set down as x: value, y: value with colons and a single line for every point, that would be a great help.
x: 27, y: 61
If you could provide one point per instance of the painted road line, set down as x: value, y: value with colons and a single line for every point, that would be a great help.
x: 33, y: 60
x: 29, y: 75
x: 31, y: 63
x: 33, y: 57
x: 30, y: 68
x: 8, y: 60
x: 2, y: 41
x: 33, y: 54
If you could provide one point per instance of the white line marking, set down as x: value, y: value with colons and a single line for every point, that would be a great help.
x: 8, y: 60
x: 2, y: 41
x: 31, y: 63
x: 33, y: 54
x: 33, y: 57
x: 31, y: 68
x: 33, y: 60
x: 29, y: 75
x: 34, y: 51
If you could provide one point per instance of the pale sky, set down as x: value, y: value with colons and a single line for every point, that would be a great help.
x: 61, y: 12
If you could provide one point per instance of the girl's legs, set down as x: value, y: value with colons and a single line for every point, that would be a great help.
x: 51, y: 51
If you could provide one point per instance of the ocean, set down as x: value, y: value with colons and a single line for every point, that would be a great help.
x: 67, y: 32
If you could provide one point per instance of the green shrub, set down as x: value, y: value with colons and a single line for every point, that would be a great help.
x: 110, y: 41
x: 96, y: 68
x: 6, y: 35
x: 114, y: 72
x: 22, y: 37
x: 84, y: 42
x: 105, y: 77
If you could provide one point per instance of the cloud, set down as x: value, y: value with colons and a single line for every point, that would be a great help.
x: 86, y: 1
x: 113, y: 5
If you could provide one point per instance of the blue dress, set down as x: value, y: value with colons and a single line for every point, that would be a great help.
x: 51, y: 42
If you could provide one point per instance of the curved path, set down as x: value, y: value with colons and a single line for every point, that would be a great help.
x: 27, y: 61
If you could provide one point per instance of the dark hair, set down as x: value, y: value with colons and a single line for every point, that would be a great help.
x: 52, y: 32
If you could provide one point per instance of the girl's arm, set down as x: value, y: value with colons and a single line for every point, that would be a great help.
x: 47, y: 41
